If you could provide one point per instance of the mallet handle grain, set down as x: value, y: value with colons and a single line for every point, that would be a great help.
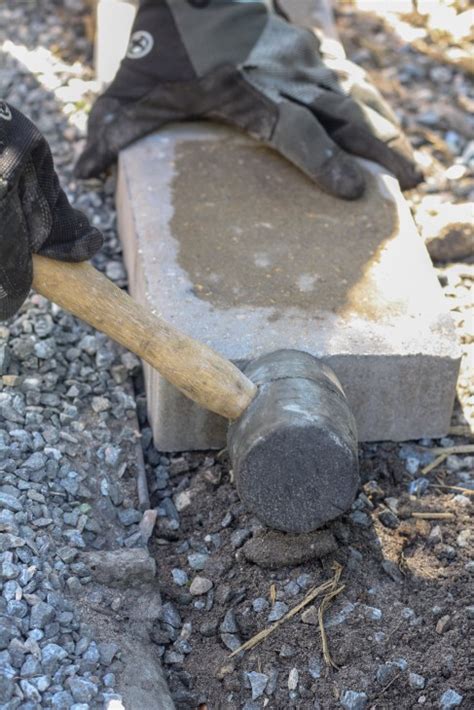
x: 198, y: 371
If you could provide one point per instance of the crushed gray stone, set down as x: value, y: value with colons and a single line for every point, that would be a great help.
x: 278, y: 610
x: 450, y: 699
x: 258, y: 683
x: 353, y: 700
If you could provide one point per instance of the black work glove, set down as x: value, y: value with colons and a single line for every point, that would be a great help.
x: 35, y: 215
x: 242, y: 64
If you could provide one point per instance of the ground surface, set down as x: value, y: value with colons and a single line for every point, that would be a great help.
x: 69, y: 631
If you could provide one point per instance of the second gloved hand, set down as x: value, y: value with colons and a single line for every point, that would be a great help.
x: 35, y: 214
x: 241, y: 63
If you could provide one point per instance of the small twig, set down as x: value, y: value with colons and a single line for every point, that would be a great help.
x: 312, y: 594
x: 462, y: 449
x: 105, y: 611
x: 465, y: 491
x: 403, y: 564
x: 394, y: 630
x: 443, y: 454
x: 388, y: 685
x: 434, y: 464
x: 322, y: 608
x: 273, y: 594
x: 434, y: 516
x: 461, y: 430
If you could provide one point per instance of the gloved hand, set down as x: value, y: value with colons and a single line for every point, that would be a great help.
x: 243, y: 64
x: 35, y: 215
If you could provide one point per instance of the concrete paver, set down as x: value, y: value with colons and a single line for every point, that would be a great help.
x: 233, y: 245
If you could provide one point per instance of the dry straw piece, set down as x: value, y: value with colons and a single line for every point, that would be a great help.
x: 273, y: 594
x: 443, y: 454
x: 434, y: 516
x: 330, y: 586
x: 434, y: 464
x: 448, y: 450
x: 460, y: 489
x: 322, y: 608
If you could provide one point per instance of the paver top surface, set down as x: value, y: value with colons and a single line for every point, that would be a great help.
x: 253, y: 231
x: 240, y: 249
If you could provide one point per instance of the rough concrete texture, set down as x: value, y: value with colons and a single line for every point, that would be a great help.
x: 127, y: 567
x: 232, y: 244
x: 142, y: 683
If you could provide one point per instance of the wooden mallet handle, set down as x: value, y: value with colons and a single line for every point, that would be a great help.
x: 194, y: 368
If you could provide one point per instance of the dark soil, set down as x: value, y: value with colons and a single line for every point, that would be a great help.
x: 410, y: 577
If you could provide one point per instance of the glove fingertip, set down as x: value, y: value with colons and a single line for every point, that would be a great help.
x: 410, y: 177
x: 342, y: 177
x: 85, y: 168
x: 91, y: 163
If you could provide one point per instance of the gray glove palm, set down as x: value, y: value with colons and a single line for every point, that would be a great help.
x: 240, y: 63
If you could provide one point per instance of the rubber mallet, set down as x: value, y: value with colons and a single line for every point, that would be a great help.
x: 292, y: 438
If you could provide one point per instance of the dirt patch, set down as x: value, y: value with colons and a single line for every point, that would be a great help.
x: 404, y: 609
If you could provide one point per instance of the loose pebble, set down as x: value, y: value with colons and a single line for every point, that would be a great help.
x: 197, y: 561
x: 278, y: 610
x: 293, y: 679
x: 180, y: 577
x: 416, y: 681
x: 258, y: 683
x: 200, y: 585
x: 353, y: 700
x: 450, y: 699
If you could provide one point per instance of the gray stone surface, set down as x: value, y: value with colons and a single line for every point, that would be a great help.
x: 233, y: 245
x: 121, y: 567
x: 272, y: 549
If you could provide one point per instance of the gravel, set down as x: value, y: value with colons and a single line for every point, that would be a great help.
x: 197, y: 561
x: 200, y: 585
x: 314, y: 667
x: 450, y: 699
x: 416, y: 681
x: 229, y: 624
x: 353, y: 700
x: 68, y: 427
x: 180, y: 577
x: 260, y: 604
x: 258, y: 683
x: 278, y: 610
